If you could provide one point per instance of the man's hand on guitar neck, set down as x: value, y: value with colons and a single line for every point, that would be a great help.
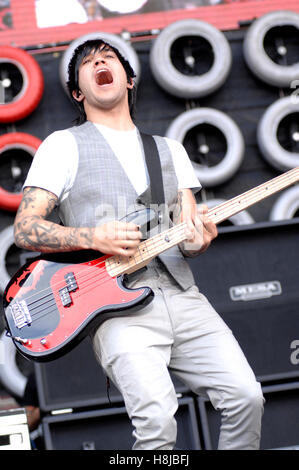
x: 117, y: 238
x: 200, y: 230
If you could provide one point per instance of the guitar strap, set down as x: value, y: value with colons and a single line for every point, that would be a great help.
x: 154, y: 169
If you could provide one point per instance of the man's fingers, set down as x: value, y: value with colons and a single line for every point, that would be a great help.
x: 122, y: 231
x: 126, y: 252
x: 190, y: 229
x: 126, y: 243
x: 202, y: 209
x: 210, y: 227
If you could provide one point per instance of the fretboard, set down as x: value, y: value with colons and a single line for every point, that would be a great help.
x: 161, y: 242
x: 252, y: 196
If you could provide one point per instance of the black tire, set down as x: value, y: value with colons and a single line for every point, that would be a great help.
x: 17, y: 141
x: 287, y: 204
x: 29, y: 94
x: 182, y: 85
x: 267, y: 134
x: 256, y: 57
x: 229, y: 165
x: 124, y: 48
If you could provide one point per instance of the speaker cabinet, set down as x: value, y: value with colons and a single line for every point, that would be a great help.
x: 251, y: 276
x: 279, y: 422
x: 76, y: 380
x: 111, y: 429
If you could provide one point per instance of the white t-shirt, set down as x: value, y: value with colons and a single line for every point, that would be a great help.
x: 55, y: 163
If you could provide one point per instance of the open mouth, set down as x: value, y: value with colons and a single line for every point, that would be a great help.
x: 104, y: 77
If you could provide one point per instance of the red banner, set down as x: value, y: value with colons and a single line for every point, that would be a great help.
x: 37, y: 23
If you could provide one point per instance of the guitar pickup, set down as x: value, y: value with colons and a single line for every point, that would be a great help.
x: 71, y: 286
x: 65, y: 297
x: 71, y: 282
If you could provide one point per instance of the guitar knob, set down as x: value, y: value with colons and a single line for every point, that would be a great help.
x: 43, y: 341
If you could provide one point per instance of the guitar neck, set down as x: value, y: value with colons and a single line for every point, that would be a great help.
x: 249, y: 198
x: 156, y: 245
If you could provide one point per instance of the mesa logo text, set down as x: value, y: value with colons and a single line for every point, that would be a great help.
x: 259, y: 290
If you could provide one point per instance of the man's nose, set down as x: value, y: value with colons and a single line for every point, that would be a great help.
x: 99, y: 61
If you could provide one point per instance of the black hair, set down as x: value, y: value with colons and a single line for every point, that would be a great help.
x: 83, y: 50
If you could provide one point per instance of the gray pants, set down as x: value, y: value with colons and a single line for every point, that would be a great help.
x: 179, y: 331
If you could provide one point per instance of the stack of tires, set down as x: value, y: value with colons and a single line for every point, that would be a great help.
x: 21, y: 90
x: 191, y: 59
x: 278, y: 129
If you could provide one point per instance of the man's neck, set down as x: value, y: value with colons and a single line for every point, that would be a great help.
x: 114, y: 120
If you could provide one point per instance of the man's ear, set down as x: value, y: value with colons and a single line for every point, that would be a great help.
x: 131, y: 83
x: 77, y: 95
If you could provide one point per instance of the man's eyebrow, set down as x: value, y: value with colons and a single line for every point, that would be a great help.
x: 98, y: 51
x: 105, y: 48
x: 87, y: 56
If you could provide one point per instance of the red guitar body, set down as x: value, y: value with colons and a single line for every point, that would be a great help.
x: 52, y: 302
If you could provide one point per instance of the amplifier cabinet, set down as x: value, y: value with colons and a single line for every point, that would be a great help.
x: 250, y: 274
x: 111, y: 429
x: 280, y: 428
x: 75, y: 380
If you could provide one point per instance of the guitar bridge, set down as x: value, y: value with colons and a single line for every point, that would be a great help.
x: 20, y: 314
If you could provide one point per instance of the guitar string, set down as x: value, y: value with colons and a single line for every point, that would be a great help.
x: 152, y: 252
x: 54, y: 304
x: 83, y: 288
x: 235, y: 200
x: 89, y: 273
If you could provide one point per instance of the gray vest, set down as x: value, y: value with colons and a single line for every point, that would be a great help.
x: 102, y: 192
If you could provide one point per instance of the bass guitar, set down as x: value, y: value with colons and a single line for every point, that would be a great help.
x: 53, y: 301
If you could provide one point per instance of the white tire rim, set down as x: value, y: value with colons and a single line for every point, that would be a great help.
x: 286, y: 205
x: 229, y: 165
x: 255, y: 55
x: 175, y: 82
x: 268, y: 143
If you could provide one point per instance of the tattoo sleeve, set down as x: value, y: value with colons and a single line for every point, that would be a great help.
x: 33, y: 232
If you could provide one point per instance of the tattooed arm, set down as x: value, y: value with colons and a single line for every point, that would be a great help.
x: 200, y: 229
x: 33, y: 232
